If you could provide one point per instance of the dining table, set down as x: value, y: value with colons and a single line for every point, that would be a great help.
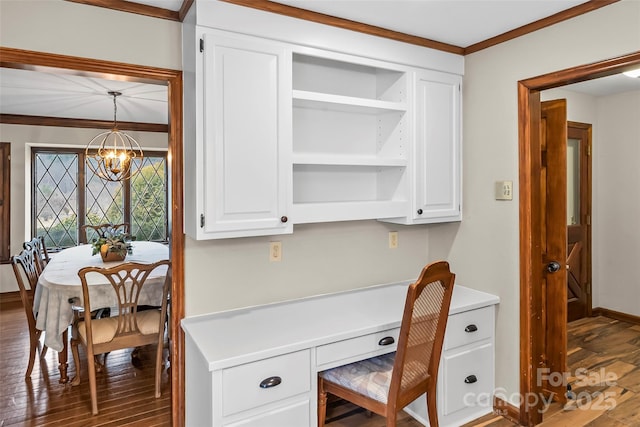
x: 59, y: 290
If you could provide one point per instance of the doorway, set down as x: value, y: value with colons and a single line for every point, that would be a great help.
x: 533, y: 261
x: 578, y: 220
x: 23, y: 59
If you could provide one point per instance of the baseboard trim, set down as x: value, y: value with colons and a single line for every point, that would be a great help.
x: 10, y: 299
x: 624, y: 317
x: 507, y: 410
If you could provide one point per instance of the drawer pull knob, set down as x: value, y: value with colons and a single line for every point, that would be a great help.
x: 386, y: 341
x: 270, y: 382
x: 471, y: 328
x: 470, y: 379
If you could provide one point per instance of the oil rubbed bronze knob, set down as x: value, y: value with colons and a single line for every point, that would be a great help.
x: 419, y: 211
x: 284, y: 219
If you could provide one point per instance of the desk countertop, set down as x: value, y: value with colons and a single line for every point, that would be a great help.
x: 245, y: 335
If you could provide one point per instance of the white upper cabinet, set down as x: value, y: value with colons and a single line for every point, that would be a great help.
x: 246, y: 122
x: 436, y: 167
x: 278, y: 134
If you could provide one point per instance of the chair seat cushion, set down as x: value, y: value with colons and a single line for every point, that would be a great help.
x: 370, y: 377
x: 105, y: 329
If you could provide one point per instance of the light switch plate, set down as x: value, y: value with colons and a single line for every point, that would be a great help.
x: 504, y: 190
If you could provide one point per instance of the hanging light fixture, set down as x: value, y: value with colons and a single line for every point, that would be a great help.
x: 110, y: 154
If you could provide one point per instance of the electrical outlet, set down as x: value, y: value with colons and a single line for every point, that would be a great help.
x: 504, y: 190
x: 393, y: 239
x: 275, y: 251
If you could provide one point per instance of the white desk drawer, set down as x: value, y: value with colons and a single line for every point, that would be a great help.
x: 468, y: 327
x: 293, y: 415
x: 265, y: 381
x: 376, y: 343
x: 469, y: 378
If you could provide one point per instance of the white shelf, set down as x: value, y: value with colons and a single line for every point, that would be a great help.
x: 347, y: 211
x: 347, y: 160
x: 349, y: 104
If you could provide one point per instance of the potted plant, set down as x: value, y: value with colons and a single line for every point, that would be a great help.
x: 113, y: 245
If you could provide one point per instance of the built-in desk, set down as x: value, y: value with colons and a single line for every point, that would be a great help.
x: 234, y: 358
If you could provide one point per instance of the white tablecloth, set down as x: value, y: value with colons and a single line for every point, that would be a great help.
x: 60, y: 282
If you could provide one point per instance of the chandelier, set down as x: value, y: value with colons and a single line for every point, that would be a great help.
x: 110, y: 154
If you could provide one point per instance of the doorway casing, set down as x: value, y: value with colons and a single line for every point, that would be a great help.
x: 25, y: 59
x: 531, y: 221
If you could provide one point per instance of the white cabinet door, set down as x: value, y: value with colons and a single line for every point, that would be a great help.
x: 437, y: 154
x: 247, y: 138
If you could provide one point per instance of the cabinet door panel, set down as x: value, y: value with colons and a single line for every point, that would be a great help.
x: 245, y: 137
x: 437, y: 146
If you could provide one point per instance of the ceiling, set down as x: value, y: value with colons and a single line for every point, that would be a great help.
x: 457, y: 22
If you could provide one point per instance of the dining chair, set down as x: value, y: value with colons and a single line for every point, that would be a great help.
x: 90, y: 232
x: 129, y: 328
x: 386, y: 384
x: 25, y: 268
x: 42, y: 255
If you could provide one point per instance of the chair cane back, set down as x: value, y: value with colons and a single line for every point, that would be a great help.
x: 386, y: 384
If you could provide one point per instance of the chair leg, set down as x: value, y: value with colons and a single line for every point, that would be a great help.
x: 322, y: 403
x: 92, y: 382
x: 159, y: 353
x: 76, y: 361
x: 432, y: 408
x: 33, y: 343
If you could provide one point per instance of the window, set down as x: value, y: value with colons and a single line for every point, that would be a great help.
x: 67, y: 195
x: 5, y: 205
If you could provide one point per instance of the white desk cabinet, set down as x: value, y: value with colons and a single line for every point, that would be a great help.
x: 258, y: 366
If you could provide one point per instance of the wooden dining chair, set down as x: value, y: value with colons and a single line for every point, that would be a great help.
x: 90, y: 232
x: 129, y: 328
x: 42, y: 255
x: 26, y: 270
x: 386, y: 384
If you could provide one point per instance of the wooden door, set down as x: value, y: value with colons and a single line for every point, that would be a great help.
x: 553, y: 185
x: 578, y: 221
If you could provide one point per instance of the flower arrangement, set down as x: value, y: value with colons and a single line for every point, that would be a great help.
x: 113, y: 245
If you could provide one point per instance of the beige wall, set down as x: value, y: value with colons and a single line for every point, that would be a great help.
x: 616, y: 232
x: 485, y: 251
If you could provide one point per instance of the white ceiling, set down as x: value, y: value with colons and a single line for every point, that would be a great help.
x: 458, y: 22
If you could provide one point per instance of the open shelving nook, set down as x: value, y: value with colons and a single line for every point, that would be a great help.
x: 351, y: 139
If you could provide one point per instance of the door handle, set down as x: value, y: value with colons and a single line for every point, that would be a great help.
x: 553, y: 267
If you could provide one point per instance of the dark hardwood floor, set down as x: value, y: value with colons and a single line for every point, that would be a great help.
x: 608, y: 391
x: 125, y: 392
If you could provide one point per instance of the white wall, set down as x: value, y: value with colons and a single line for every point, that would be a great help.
x: 21, y: 138
x: 616, y: 211
x: 485, y: 251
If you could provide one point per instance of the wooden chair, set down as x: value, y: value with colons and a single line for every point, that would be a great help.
x: 42, y: 255
x: 386, y: 384
x: 97, y: 231
x: 27, y: 283
x: 129, y: 328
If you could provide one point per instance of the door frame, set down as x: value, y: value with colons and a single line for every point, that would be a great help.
x: 25, y: 59
x: 531, y: 266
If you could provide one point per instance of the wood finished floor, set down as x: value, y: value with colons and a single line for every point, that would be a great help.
x: 125, y: 393
x: 602, y: 346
